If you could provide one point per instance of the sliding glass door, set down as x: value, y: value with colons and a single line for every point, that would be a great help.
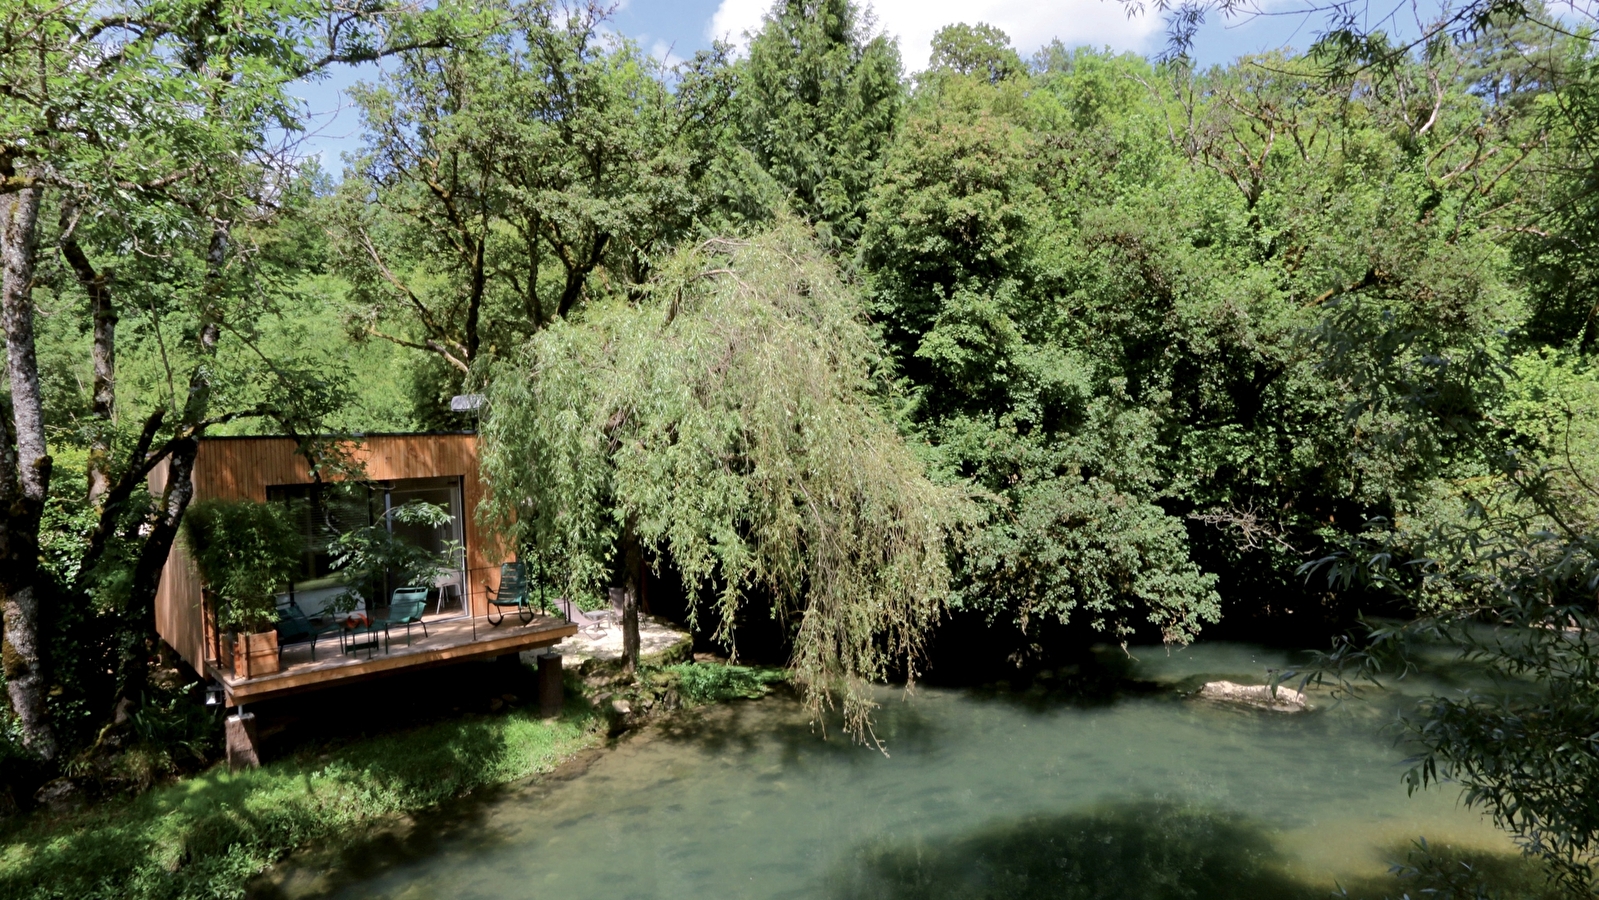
x: 323, y: 512
x: 448, y: 540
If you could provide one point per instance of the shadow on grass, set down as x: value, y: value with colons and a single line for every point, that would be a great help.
x: 1137, y: 851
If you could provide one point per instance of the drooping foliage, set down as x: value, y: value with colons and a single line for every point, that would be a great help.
x: 731, y: 420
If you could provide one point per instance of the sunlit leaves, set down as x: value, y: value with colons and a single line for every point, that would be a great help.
x: 731, y: 420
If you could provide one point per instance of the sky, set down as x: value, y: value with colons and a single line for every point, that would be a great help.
x: 674, y: 29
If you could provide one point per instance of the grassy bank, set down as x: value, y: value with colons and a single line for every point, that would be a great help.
x: 207, y: 836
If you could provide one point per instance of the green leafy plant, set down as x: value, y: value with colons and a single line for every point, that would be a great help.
x: 732, y: 421
x: 245, y: 551
x: 365, y: 556
x: 1527, y: 752
x: 712, y: 683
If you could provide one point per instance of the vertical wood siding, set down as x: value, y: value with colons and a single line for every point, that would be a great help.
x: 243, y: 469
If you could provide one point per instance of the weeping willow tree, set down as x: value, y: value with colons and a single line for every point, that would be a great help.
x: 729, y: 420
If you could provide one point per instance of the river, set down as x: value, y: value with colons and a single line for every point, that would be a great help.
x: 981, y: 794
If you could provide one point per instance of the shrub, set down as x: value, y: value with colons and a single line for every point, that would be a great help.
x: 701, y: 683
x: 245, y: 551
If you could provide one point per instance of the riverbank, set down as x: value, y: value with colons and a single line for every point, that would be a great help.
x: 208, y: 836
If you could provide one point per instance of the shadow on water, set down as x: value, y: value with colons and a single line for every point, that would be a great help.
x: 1449, y: 873
x: 1136, y: 851
x: 1150, y: 851
x: 1097, y: 677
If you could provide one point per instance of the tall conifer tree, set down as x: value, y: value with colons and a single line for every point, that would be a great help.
x: 822, y: 97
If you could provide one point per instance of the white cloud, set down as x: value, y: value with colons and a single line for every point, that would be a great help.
x: 666, y: 53
x: 1030, y: 23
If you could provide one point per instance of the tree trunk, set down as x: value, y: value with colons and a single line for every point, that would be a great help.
x: 163, y: 526
x: 103, y: 349
x: 163, y: 530
x: 577, y: 274
x: 24, y: 475
x: 633, y: 562
x: 110, y: 512
x: 474, y: 306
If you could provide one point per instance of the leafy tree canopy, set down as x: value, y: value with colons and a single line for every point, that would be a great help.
x: 730, y: 421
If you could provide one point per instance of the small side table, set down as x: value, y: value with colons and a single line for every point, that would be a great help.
x: 360, y: 634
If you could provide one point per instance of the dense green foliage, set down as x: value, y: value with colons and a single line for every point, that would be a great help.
x: 819, y: 98
x: 1110, y: 321
x: 1080, y: 346
x: 245, y: 552
x: 497, y: 180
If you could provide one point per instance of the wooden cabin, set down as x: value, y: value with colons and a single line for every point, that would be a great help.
x: 437, y: 468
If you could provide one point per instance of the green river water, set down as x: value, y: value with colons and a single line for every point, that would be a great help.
x: 982, y: 794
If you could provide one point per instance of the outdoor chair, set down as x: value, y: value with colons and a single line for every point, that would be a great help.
x: 594, y: 626
x: 295, y: 627
x: 512, y: 594
x: 406, y: 609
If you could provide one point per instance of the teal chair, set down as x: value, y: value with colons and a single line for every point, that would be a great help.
x: 514, y: 593
x: 295, y: 627
x: 405, y: 608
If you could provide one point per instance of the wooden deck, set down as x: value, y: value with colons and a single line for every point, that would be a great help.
x: 448, y: 640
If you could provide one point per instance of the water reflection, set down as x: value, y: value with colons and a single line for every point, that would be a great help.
x: 1135, y: 792
x: 1149, y: 849
x: 1157, y: 851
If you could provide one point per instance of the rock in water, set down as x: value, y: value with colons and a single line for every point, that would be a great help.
x: 1259, y: 696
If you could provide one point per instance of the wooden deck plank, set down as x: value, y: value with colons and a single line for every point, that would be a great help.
x: 448, y: 641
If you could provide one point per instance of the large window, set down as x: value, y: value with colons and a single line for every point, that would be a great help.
x: 323, y: 512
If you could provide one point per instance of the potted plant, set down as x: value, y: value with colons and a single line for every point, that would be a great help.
x: 245, y: 551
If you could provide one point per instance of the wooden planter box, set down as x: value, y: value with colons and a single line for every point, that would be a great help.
x: 255, y: 655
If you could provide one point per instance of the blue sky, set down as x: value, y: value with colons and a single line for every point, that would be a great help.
x: 680, y: 27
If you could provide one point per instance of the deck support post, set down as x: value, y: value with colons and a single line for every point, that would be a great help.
x: 550, y: 698
x: 244, y: 751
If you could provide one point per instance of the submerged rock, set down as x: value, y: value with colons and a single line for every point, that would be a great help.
x: 1260, y: 696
